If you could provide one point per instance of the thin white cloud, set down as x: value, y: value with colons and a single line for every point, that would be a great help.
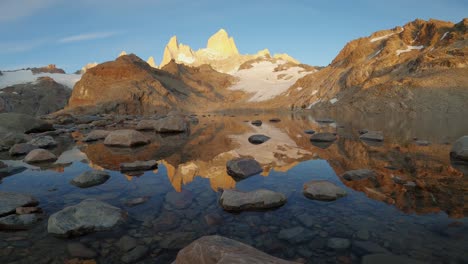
x: 18, y: 47
x: 87, y: 36
x: 11, y: 10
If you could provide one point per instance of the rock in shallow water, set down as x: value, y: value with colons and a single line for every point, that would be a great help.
x: 338, y: 243
x: 96, y: 135
x: 22, y: 149
x: 356, y: 175
x: 10, y: 201
x: 322, y: 190
x: 323, y: 137
x: 18, y: 222
x: 40, y: 155
x: 139, y: 165
x: 126, y: 138
x: 171, y: 124
x: 218, y: 249
x: 81, y: 251
x: 242, y: 168
x: 88, y: 216
x: 459, y: 151
x: 256, y: 122
x: 232, y: 200
x: 296, y: 235
x: 258, y: 139
x: 90, y: 178
x: 43, y: 142
x: 372, y: 136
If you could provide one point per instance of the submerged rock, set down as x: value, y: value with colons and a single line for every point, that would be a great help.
x: 22, y: 149
x: 18, y: 222
x: 323, y: 137
x: 232, y: 200
x: 388, y: 259
x: 139, y: 165
x: 81, y: 251
x: 96, y: 135
x: 258, y: 139
x: 171, y: 124
x: 90, y: 178
x: 10, y: 201
x: 372, y: 136
x: 459, y: 151
x: 296, y: 235
x: 218, y: 249
x: 40, y: 155
x: 43, y: 142
x: 356, y: 175
x: 126, y: 138
x: 242, y: 168
x: 88, y: 216
x: 337, y: 243
x: 256, y: 122
x: 322, y: 190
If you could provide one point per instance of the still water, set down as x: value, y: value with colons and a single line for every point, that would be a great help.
x: 424, y: 220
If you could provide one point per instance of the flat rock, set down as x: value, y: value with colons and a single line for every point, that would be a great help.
x: 96, y: 135
x: 337, y: 243
x: 275, y: 120
x: 242, y: 168
x: 325, y: 120
x: 28, y: 210
x: 43, y: 142
x: 232, y: 200
x: 139, y: 165
x: 146, y: 124
x: 372, y: 136
x: 309, y: 131
x: 18, y: 222
x: 137, y: 201
x: 258, y: 139
x: 322, y: 190
x: 22, y: 149
x: 126, y: 138
x: 323, y: 137
x: 80, y: 251
x: 218, y: 250
x: 10, y: 201
x: 40, y: 155
x: 388, y: 259
x: 90, y: 178
x: 459, y: 151
x: 422, y: 143
x: 356, y: 175
x: 256, y: 122
x: 88, y: 216
x: 171, y: 124
x: 296, y: 235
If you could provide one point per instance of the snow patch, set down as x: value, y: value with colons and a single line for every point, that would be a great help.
x: 333, y: 101
x: 386, y: 36
x: 186, y: 59
x: 443, y: 36
x: 408, y: 49
x: 375, y: 54
x: 26, y: 76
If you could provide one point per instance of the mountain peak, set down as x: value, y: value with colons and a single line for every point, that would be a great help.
x: 151, y: 62
x: 122, y: 53
x: 221, y: 43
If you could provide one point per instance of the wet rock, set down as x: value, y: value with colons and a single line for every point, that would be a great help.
x: 362, y: 248
x: 43, y: 142
x: 146, y: 125
x: 18, y: 222
x: 325, y: 120
x: 179, y: 200
x: 137, y: 201
x: 388, y: 259
x: 322, y: 190
x: 139, y: 165
x: 256, y: 122
x: 171, y: 124
x: 96, y: 135
x: 177, y: 240
x: 166, y: 221
x: 88, y: 216
x: 22, y: 149
x: 275, y: 120
x: 356, y: 175
x: 40, y: 155
x: 23, y: 123
x: 323, y: 137
x: 372, y: 136
x: 127, y: 243
x: 213, y: 219
x: 296, y: 235
x: 459, y: 151
x: 135, y: 254
x: 337, y: 243
x: 362, y: 234
x: 81, y: 251
x: 126, y: 138
x: 11, y: 170
x: 423, y: 143
x: 258, y: 139
x: 218, y: 249
x: 10, y: 201
x: 363, y: 131
x: 309, y: 131
x: 90, y: 178
x: 232, y: 200
x: 28, y: 210
x: 242, y: 168
x: 86, y: 119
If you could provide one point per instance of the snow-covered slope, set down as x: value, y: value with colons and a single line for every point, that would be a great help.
x: 26, y: 76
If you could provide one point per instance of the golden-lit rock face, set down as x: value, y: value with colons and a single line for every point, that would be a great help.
x: 222, y: 44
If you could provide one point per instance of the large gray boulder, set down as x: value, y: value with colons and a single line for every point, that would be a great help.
x: 459, y: 150
x: 221, y: 250
x: 356, y: 175
x: 126, y: 138
x: 242, y: 168
x: 39, y: 156
x: 171, y: 124
x: 322, y: 190
x: 90, y: 178
x: 88, y: 216
x: 232, y: 200
x: 10, y: 201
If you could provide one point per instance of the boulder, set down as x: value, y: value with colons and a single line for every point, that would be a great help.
x: 90, y: 178
x: 322, y: 190
x: 232, y: 200
x: 43, y: 142
x: 23, y: 123
x: 258, y: 139
x: 88, y: 216
x: 18, y: 222
x: 146, y: 125
x: 323, y: 137
x: 22, y: 149
x: 356, y: 175
x: 126, y: 138
x: 40, y: 155
x: 96, y: 135
x: 388, y: 259
x: 139, y: 165
x: 242, y: 168
x: 10, y: 201
x: 372, y: 136
x: 459, y: 151
x: 171, y: 124
x: 218, y: 250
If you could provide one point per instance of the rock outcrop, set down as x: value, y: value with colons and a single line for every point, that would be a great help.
x: 51, y: 68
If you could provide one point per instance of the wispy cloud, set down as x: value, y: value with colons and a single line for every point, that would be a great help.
x: 18, y: 47
x: 11, y: 10
x: 88, y: 36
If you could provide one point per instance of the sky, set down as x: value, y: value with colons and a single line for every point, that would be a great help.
x: 71, y: 34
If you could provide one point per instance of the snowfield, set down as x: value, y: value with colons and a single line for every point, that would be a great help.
x: 26, y: 76
x: 408, y: 49
x: 264, y: 83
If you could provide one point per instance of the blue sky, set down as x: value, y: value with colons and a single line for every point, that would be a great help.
x: 73, y: 33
